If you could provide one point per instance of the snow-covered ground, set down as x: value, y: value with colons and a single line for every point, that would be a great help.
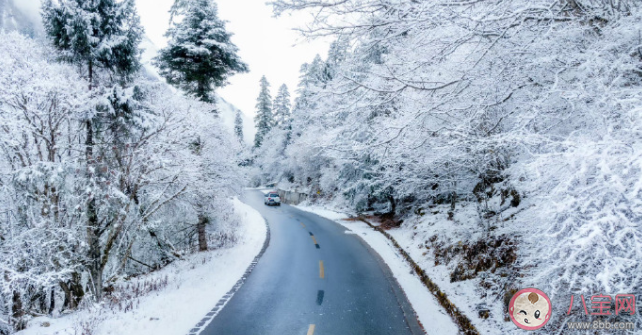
x: 414, y: 236
x: 430, y: 313
x: 179, y: 296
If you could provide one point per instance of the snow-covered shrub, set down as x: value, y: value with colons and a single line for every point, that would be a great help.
x: 41, y: 243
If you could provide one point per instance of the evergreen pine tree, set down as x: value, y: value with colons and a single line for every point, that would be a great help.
x: 101, y: 35
x: 336, y: 55
x: 264, y: 118
x: 300, y: 101
x: 200, y: 55
x: 238, y: 126
x: 312, y: 78
x: 282, y: 107
x: 317, y: 74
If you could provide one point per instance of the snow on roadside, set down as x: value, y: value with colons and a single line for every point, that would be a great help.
x: 465, y: 294
x: 195, y: 285
x: 430, y: 313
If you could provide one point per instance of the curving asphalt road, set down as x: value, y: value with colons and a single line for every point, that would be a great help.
x: 314, y: 279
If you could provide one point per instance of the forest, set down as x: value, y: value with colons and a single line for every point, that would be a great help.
x: 106, y: 173
x: 498, y: 143
x: 514, y: 125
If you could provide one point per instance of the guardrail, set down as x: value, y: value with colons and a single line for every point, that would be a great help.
x: 292, y: 198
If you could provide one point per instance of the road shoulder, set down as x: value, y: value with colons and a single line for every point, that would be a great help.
x: 430, y: 314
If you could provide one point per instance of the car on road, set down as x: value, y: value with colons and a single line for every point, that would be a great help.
x: 272, y: 199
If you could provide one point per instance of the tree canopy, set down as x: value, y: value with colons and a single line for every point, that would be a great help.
x: 200, y: 55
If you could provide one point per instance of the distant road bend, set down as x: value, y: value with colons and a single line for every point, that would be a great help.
x: 314, y: 279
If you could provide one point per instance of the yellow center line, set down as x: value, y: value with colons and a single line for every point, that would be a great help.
x: 321, y: 270
x: 302, y: 225
x: 311, y: 330
x: 314, y: 239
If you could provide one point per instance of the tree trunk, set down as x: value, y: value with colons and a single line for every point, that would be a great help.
x: 393, y: 205
x: 17, y: 313
x: 52, y: 301
x: 202, y: 235
x: 91, y: 75
x: 203, y: 92
x: 93, y: 229
x: 453, y: 200
x: 95, y: 268
x: 73, y: 291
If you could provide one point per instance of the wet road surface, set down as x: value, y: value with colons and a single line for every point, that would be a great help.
x: 314, y: 279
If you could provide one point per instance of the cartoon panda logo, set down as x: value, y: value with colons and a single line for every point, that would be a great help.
x: 530, y: 309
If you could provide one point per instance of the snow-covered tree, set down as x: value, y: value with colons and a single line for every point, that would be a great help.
x: 200, y: 55
x: 238, y: 126
x: 149, y: 186
x: 264, y: 118
x: 270, y: 157
x: 440, y: 102
x: 337, y: 54
x: 99, y: 35
x: 282, y: 107
x: 312, y: 80
x: 199, y: 58
x: 39, y: 179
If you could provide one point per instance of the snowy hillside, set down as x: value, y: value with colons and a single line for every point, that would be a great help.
x: 24, y: 16
x: 131, y: 176
x: 21, y: 15
x: 149, y: 52
x: 228, y: 113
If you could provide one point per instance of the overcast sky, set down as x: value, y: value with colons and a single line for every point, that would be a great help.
x: 268, y: 45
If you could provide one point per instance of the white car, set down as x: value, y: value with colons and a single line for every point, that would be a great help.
x: 272, y: 199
